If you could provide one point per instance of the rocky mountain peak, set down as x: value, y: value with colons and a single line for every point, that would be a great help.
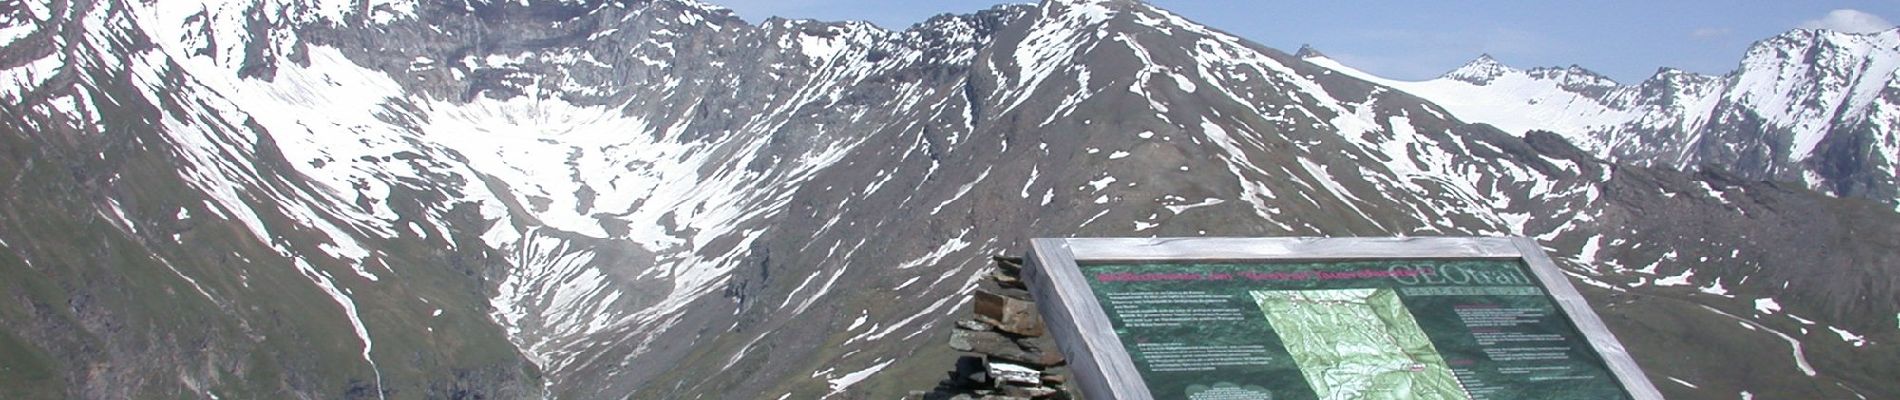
x: 1087, y: 9
x: 1479, y: 71
x: 1572, y: 73
x: 1670, y: 86
x: 1307, y: 51
x: 537, y: 9
x: 1796, y: 79
x: 1105, y: 3
x: 1575, y: 79
x: 1820, y: 48
x: 1674, y: 74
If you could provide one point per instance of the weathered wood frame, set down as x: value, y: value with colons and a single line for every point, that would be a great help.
x: 1101, y: 365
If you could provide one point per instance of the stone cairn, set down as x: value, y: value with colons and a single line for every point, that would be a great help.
x: 1009, y: 356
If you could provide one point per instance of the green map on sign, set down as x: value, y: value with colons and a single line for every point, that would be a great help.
x: 1369, y: 329
x: 1354, y: 344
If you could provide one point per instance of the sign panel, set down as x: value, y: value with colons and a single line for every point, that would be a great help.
x: 1225, y: 319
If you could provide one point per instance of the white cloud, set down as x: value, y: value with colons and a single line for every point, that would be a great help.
x: 1847, y: 20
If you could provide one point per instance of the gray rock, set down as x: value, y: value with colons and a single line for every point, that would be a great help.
x: 1007, y: 373
x: 974, y: 325
x: 1012, y: 266
x: 1007, y: 280
x: 1034, y: 392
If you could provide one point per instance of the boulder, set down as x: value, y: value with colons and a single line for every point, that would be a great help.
x: 1008, y: 314
x: 997, y: 346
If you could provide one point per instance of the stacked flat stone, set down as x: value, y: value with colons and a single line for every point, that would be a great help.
x: 1011, y: 357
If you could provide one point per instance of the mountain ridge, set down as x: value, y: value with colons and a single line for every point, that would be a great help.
x: 1804, y: 106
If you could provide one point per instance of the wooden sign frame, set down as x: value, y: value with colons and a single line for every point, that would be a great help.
x: 1101, y: 364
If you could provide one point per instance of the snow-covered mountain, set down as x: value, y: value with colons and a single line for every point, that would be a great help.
x: 656, y: 199
x: 1810, y: 106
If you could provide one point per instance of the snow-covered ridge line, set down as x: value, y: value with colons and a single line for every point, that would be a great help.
x: 1510, y: 99
x: 1791, y: 96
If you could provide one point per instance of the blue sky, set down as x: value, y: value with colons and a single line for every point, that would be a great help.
x: 1626, y: 40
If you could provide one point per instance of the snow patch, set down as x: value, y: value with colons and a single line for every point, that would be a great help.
x: 1145, y: 225
x: 935, y: 255
x: 1178, y: 209
x: 1767, y: 305
x: 1715, y: 288
x: 821, y: 49
x: 1800, y: 358
x: 1849, y: 337
x: 1678, y: 280
x: 839, y: 384
x: 859, y: 322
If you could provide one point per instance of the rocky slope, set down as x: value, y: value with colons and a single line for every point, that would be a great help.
x: 656, y: 199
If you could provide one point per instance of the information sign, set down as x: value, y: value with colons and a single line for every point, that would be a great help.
x: 1301, y: 318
